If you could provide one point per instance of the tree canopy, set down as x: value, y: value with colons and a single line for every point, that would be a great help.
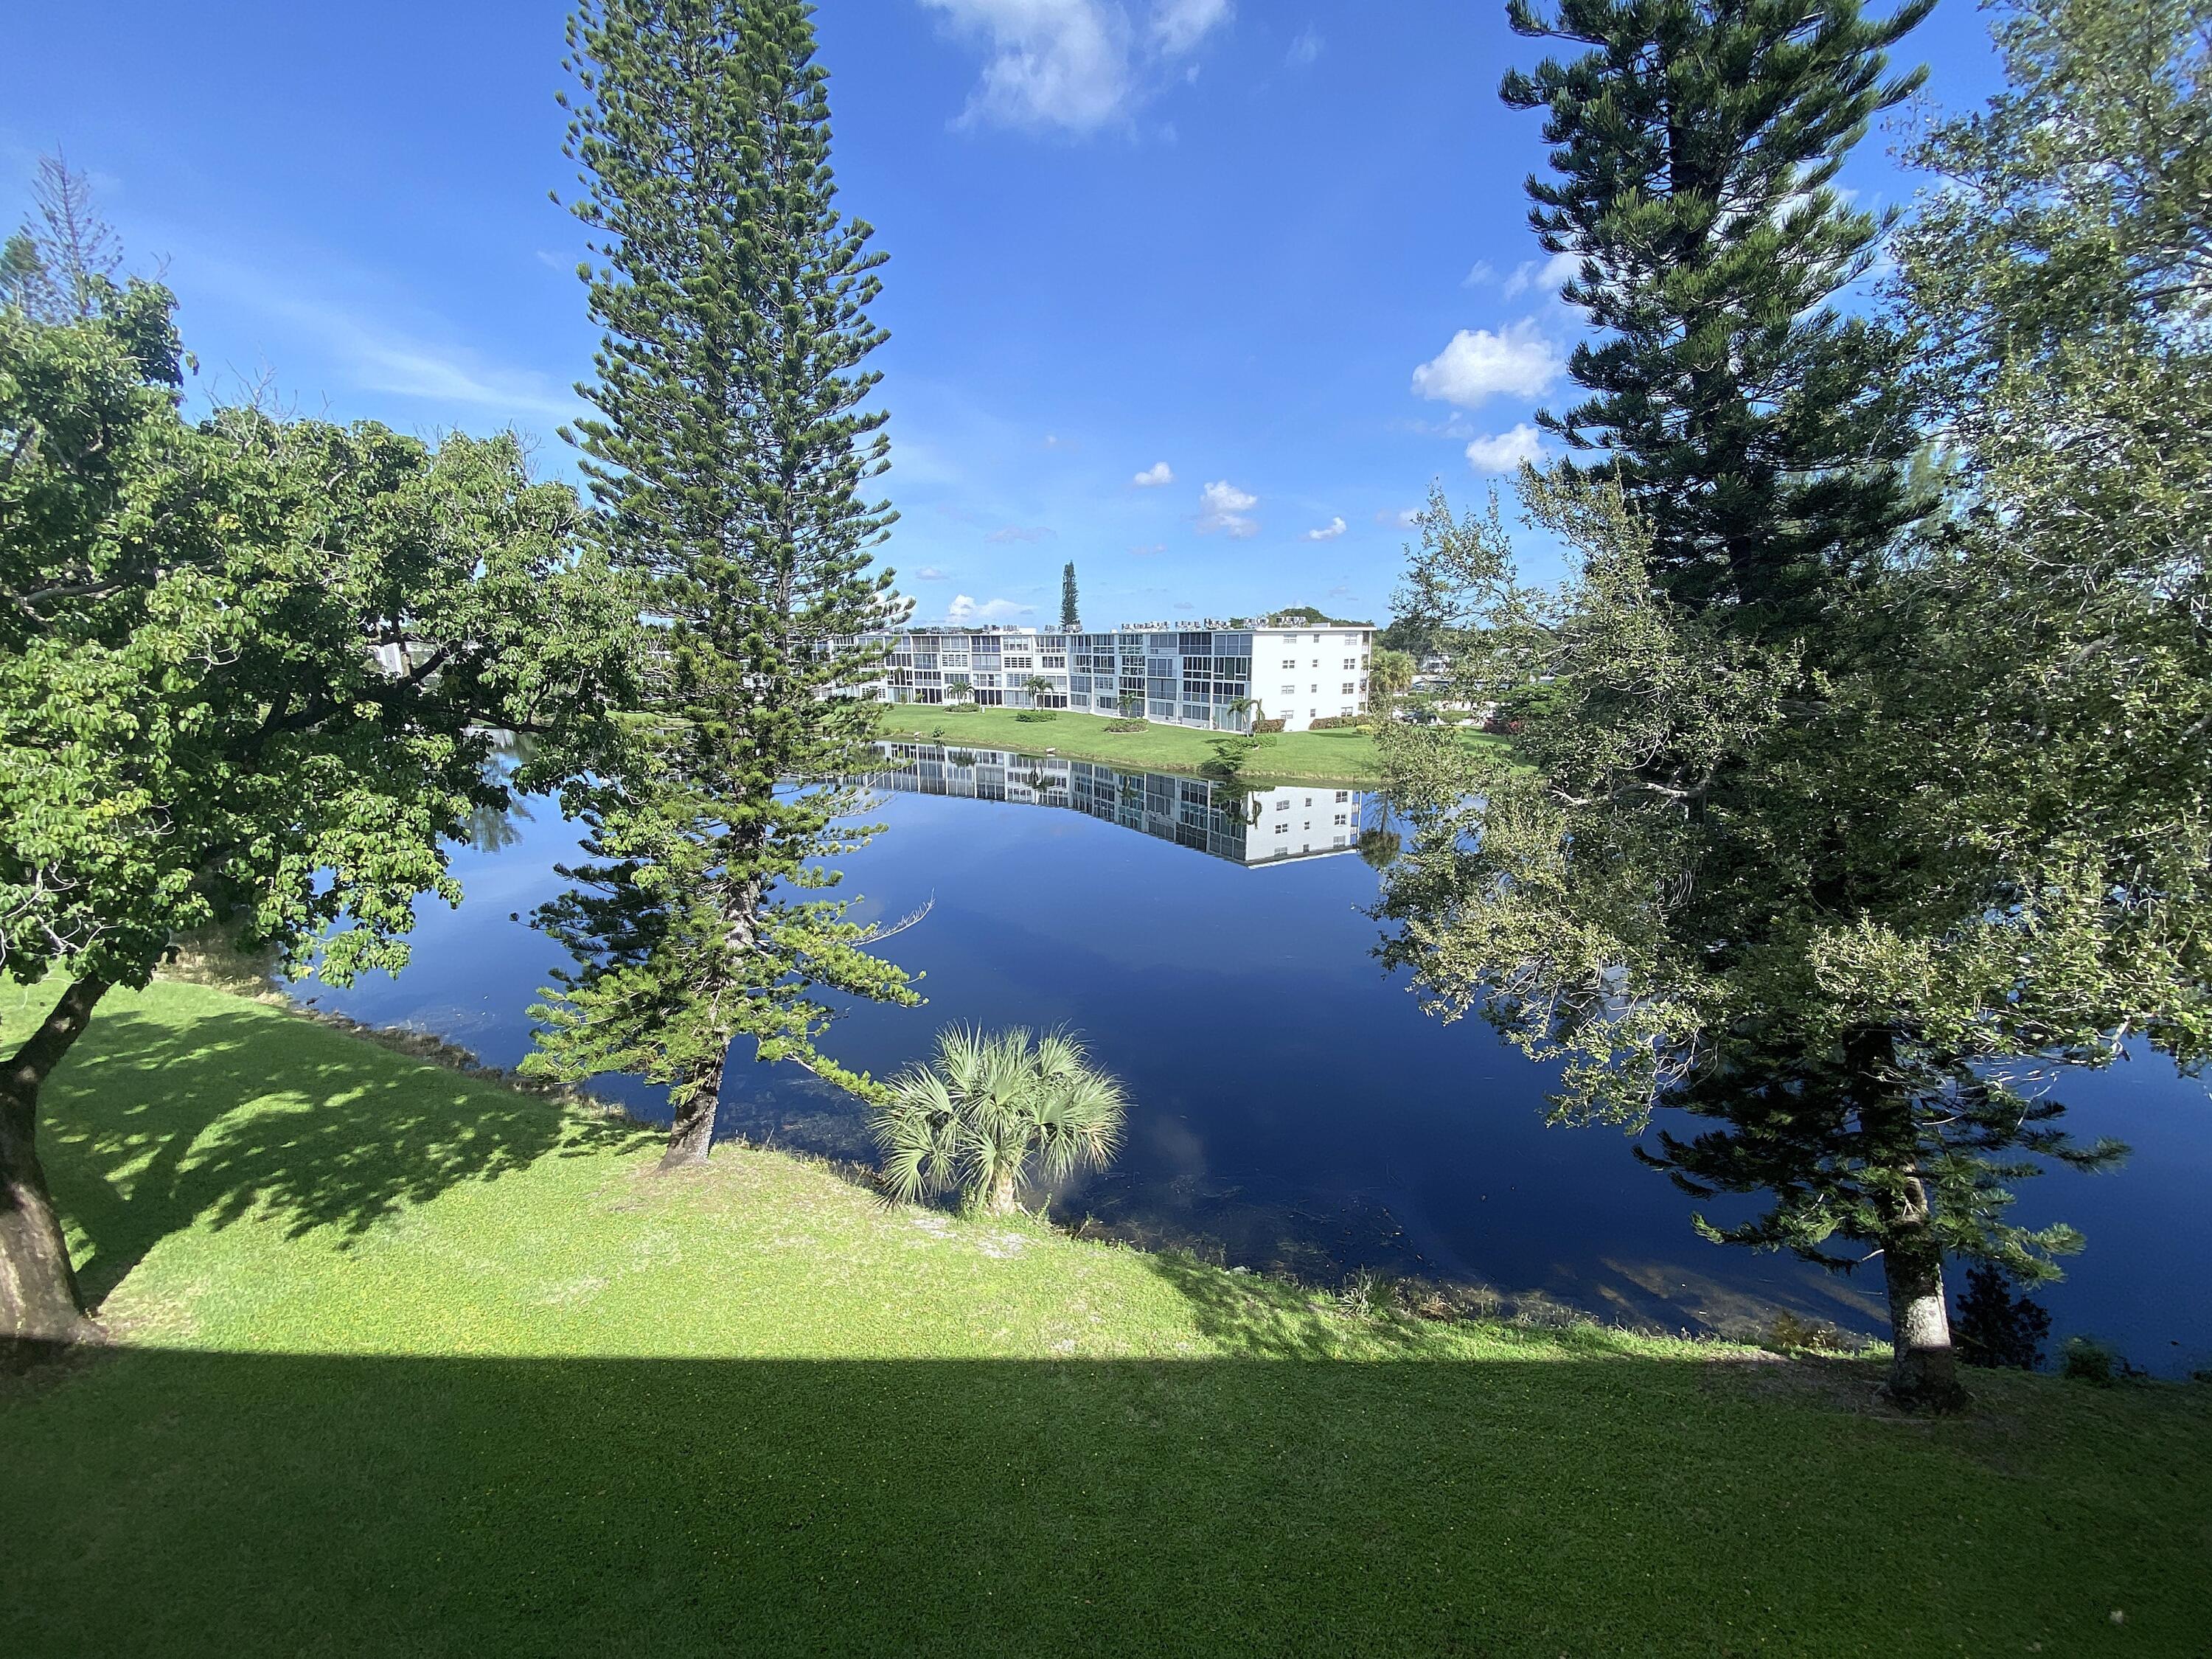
x: 728, y: 456
x: 248, y: 668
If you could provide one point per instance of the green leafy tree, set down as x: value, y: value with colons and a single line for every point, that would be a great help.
x: 1756, y: 427
x: 201, y: 737
x: 1039, y: 688
x: 728, y: 458
x: 1699, y: 890
x: 993, y: 1111
x: 1070, y: 617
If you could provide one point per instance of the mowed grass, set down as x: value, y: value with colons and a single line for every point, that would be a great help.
x: 1339, y: 754
x: 413, y: 1364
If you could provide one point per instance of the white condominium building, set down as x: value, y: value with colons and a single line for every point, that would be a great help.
x: 1209, y: 675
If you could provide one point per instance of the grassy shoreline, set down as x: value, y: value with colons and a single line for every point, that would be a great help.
x: 1339, y: 755
x: 410, y: 1361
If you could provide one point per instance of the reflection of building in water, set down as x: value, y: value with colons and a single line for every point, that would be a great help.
x: 1246, y: 825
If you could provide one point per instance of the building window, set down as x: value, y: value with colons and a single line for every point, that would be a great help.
x: 1344, y: 795
x: 1349, y: 688
x: 1339, y: 817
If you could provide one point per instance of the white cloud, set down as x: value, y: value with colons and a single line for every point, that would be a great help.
x: 1159, y: 473
x: 929, y: 573
x: 379, y: 356
x: 1178, y: 26
x: 1222, y: 507
x: 965, y: 609
x: 1328, y: 533
x: 1074, y: 64
x: 1478, y: 364
x: 1306, y: 48
x: 1545, y: 274
x: 1051, y: 63
x: 1480, y: 272
x: 1148, y: 551
x: 1504, y: 452
x: 1022, y: 532
x: 1403, y: 518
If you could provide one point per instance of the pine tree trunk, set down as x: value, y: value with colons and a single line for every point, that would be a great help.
x: 37, y: 1289
x: 1924, y: 1372
x: 692, y: 1133
x: 999, y: 1198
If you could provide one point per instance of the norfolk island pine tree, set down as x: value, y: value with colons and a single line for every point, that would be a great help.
x: 728, y: 459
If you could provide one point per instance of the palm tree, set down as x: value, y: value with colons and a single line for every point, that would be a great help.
x: 1039, y: 688
x: 1389, y: 677
x: 990, y: 1106
x: 958, y: 688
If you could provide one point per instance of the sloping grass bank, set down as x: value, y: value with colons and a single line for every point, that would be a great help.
x: 415, y: 1364
x: 1343, y: 754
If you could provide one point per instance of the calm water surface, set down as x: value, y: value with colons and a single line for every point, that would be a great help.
x: 1291, y: 1105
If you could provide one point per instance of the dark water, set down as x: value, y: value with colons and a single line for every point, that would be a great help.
x: 1291, y: 1105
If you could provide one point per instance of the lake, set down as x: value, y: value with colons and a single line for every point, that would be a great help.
x: 1291, y: 1106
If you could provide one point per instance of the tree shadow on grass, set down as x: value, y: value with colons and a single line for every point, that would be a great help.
x: 1261, y: 1316
x: 175, y: 1501
x: 151, y: 1127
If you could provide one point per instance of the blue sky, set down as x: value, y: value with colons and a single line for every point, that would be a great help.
x: 1198, y: 293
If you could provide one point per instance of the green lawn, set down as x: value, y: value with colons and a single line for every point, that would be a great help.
x: 1340, y: 755
x: 413, y: 1364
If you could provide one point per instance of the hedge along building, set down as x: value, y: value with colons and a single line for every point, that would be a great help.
x: 1214, y: 676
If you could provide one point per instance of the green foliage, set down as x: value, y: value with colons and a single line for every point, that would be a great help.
x: 1070, y: 615
x: 728, y: 458
x: 198, y: 734
x: 2085, y: 1359
x: 1754, y: 426
x: 1850, y: 891
x: 991, y: 1109
x: 1718, y: 884
x: 1389, y: 676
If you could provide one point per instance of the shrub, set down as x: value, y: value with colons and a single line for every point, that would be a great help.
x: 1230, y: 755
x: 2085, y: 1359
x: 966, y: 708
x: 1124, y: 725
x: 1033, y: 715
x: 1332, y: 722
x: 989, y: 1107
x: 1266, y: 725
x: 1996, y: 1328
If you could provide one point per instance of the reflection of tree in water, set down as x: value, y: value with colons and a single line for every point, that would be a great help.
x: 493, y: 828
x: 1379, y: 848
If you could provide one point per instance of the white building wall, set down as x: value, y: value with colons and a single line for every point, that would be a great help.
x: 1213, y: 678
